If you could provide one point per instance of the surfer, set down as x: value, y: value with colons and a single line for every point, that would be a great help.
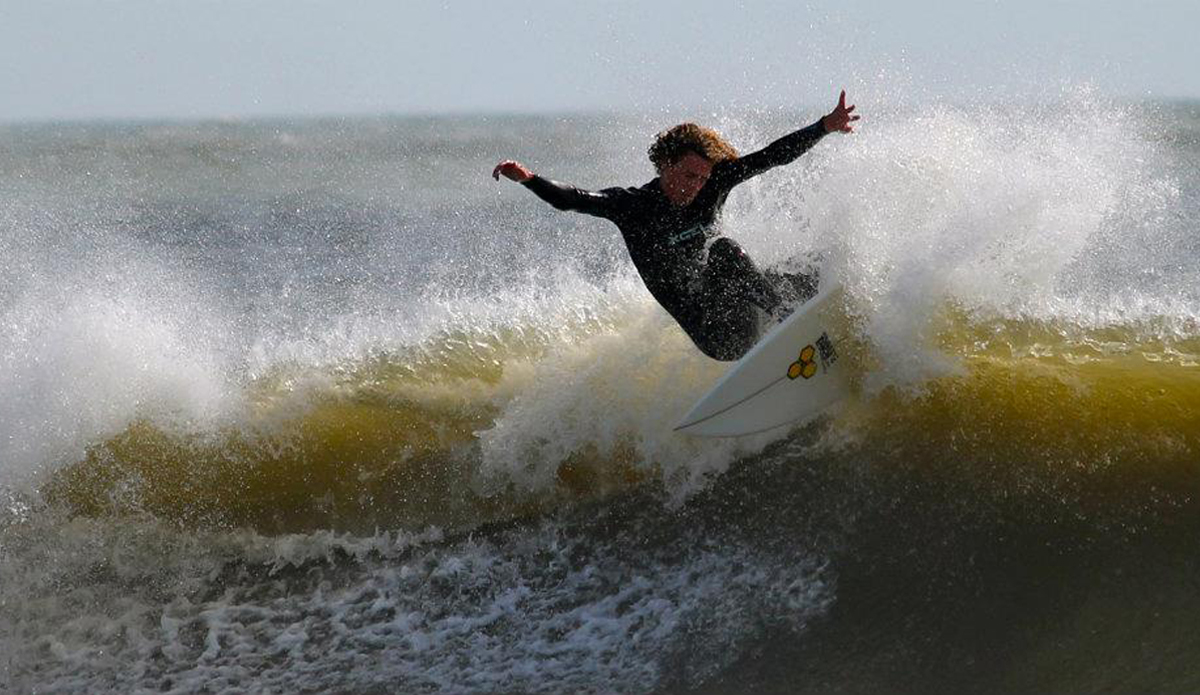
x: 711, y: 288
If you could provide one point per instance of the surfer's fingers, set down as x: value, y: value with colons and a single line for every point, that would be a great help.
x: 502, y: 168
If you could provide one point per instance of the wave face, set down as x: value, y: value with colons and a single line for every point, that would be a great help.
x: 316, y: 406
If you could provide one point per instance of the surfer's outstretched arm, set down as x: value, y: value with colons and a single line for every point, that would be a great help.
x: 562, y: 196
x: 789, y: 147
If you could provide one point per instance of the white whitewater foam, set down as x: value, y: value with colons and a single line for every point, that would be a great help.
x: 1005, y: 212
x: 134, y: 606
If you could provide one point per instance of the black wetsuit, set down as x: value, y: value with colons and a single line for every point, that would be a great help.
x: 712, y: 295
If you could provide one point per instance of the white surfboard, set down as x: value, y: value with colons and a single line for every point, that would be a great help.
x: 791, y: 375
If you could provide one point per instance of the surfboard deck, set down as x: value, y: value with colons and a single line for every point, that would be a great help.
x: 791, y: 375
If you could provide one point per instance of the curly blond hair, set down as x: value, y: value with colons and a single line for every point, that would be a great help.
x: 671, y: 145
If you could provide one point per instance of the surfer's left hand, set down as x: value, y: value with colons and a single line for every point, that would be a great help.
x: 840, y: 119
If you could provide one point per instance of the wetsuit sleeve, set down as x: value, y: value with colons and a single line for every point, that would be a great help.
x: 605, y: 203
x: 783, y: 151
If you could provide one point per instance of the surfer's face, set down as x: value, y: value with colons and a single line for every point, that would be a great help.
x: 682, y: 180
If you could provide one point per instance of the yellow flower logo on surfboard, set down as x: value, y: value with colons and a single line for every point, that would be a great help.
x: 806, y: 366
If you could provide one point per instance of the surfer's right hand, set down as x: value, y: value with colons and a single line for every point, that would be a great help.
x: 512, y: 170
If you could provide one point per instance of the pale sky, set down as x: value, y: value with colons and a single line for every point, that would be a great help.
x: 83, y: 59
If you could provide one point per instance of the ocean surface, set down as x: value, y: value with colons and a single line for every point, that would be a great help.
x: 317, y: 406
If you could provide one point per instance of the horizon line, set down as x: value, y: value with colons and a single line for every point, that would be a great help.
x: 434, y: 114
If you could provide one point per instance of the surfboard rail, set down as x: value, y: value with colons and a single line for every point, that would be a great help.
x: 791, y: 375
